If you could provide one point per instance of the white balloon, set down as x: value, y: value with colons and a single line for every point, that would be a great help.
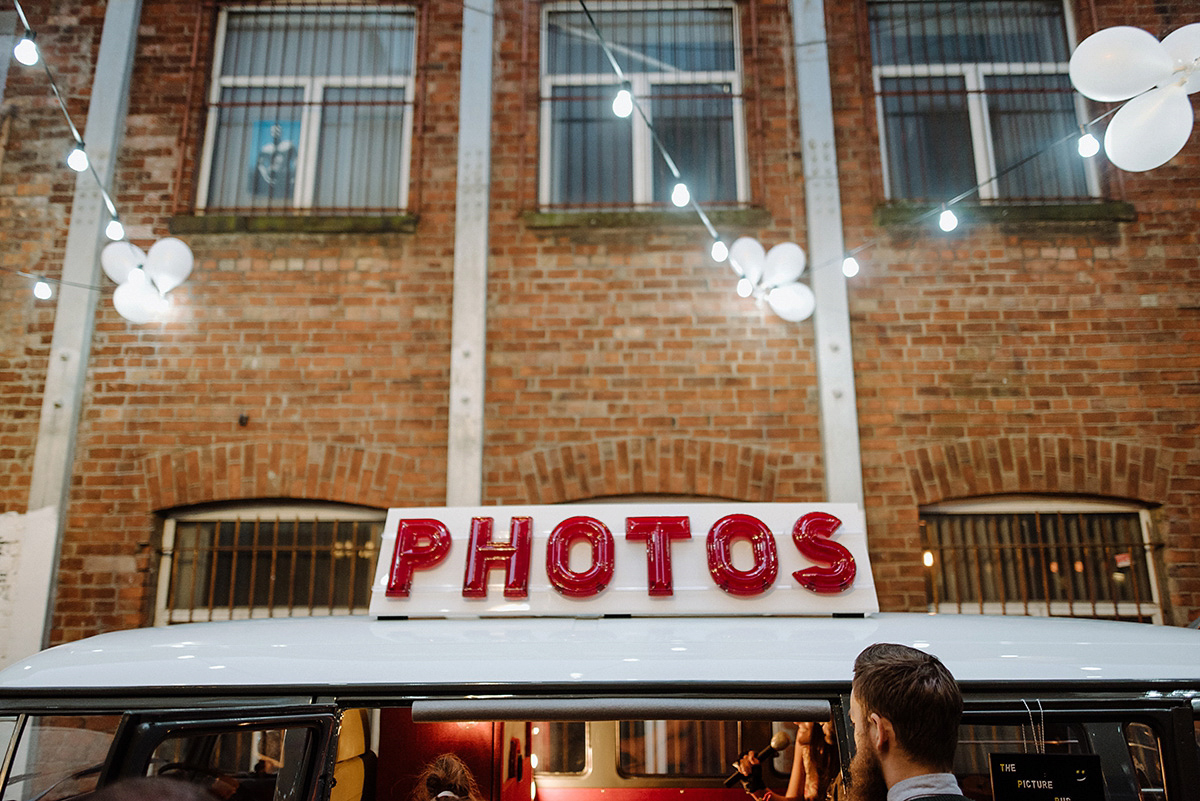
x: 119, y: 258
x: 1118, y: 63
x: 785, y: 264
x: 1149, y: 130
x: 1183, y: 45
x: 139, y: 302
x: 747, y: 257
x: 793, y: 302
x: 168, y: 263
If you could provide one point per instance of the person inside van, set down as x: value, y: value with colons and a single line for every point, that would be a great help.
x: 446, y: 778
x: 814, y: 765
x: 905, y: 708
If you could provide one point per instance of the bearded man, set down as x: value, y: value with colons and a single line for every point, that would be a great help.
x: 905, y: 708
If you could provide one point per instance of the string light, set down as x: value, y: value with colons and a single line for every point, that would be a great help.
x: 1088, y: 145
x: 26, y: 50
x: 680, y: 195
x: 623, y: 103
x: 77, y: 159
x: 720, y: 251
x: 947, y: 220
x: 41, y: 289
x: 850, y: 267
x: 114, y: 230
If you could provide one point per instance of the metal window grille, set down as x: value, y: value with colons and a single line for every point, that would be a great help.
x: 231, y: 566
x: 1077, y: 564
x: 682, y: 61
x: 976, y: 94
x: 310, y: 109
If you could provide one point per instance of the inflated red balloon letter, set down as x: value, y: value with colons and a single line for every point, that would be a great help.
x: 658, y: 533
x: 811, y: 535
x: 759, y: 578
x: 420, y: 543
x: 558, y: 557
x: 484, y: 554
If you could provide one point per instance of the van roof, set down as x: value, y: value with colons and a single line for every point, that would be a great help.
x: 605, y: 654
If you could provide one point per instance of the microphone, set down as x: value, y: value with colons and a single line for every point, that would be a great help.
x: 779, y: 741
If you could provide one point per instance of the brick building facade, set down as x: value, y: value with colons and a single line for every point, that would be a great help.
x: 1020, y: 354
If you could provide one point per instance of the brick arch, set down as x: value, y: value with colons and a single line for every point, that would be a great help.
x: 250, y: 470
x: 649, y: 465
x: 997, y: 466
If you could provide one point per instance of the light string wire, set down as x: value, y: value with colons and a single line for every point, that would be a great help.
x: 661, y: 147
x: 938, y: 207
x: 658, y: 143
x: 91, y: 168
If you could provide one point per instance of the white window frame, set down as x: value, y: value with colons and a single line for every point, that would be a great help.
x: 313, y: 88
x: 974, y: 75
x: 306, y: 512
x: 1028, y: 504
x: 643, y: 148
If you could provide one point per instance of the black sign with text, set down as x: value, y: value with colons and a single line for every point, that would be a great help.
x: 1046, y: 777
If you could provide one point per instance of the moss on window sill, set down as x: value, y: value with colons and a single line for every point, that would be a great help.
x: 291, y: 224
x: 722, y: 218
x: 1098, y: 212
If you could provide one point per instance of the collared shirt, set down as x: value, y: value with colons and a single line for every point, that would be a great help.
x: 928, y: 784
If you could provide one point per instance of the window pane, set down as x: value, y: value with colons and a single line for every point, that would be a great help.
x: 1026, y: 112
x: 905, y: 32
x: 560, y: 747
x: 928, y: 135
x: 319, y: 43
x: 591, y: 151
x: 685, y: 747
x: 59, y: 757
x: 255, y: 152
x: 250, y: 762
x: 642, y: 41
x: 695, y: 124
x: 358, y: 163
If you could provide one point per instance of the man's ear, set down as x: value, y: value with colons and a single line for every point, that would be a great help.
x: 882, y: 733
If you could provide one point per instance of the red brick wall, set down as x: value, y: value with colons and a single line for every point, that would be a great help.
x: 998, y: 358
x: 1024, y: 358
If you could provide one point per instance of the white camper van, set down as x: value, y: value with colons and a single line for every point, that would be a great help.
x: 750, y: 625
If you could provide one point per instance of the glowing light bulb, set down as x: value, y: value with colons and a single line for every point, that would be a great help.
x: 720, y: 251
x: 1088, y: 146
x: 26, y: 51
x: 744, y: 288
x: 77, y: 159
x: 114, y: 230
x: 623, y: 103
x: 947, y: 221
x: 928, y: 559
x: 680, y: 195
x: 41, y: 290
x: 850, y: 267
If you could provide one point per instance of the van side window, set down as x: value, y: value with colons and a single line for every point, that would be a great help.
x: 1147, y: 761
x: 560, y: 747
x: 241, y: 765
x: 686, y: 747
x: 58, y: 756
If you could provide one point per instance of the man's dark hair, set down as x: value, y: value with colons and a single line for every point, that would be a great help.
x: 916, y: 692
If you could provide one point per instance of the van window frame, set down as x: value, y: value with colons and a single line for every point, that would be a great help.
x: 141, y: 733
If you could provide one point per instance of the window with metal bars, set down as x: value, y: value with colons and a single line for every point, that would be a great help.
x: 284, y: 561
x: 1041, y: 557
x: 310, y: 109
x: 681, y: 62
x: 976, y: 94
